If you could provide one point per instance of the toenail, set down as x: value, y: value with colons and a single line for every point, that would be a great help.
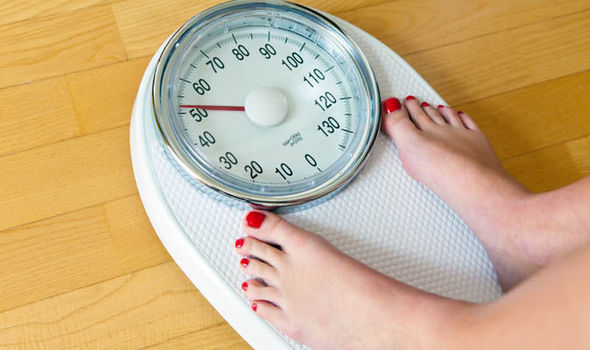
x: 410, y: 97
x: 254, y: 307
x: 254, y: 219
x: 424, y: 104
x: 245, y: 286
x: 459, y: 112
x: 391, y: 105
x: 244, y: 262
x: 440, y: 106
x: 239, y: 243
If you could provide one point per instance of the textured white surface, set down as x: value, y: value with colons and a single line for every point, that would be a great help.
x: 383, y: 218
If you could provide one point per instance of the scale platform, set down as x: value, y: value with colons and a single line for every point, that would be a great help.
x: 383, y: 218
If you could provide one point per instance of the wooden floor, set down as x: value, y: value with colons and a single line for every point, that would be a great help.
x: 80, y: 265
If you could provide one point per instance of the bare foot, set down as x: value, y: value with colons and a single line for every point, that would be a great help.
x: 445, y: 150
x: 325, y: 299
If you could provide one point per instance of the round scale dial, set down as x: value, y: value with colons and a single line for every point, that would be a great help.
x: 267, y: 102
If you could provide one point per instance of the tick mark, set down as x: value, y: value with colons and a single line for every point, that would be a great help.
x: 192, y: 65
x: 346, y: 130
x: 342, y: 147
x: 339, y: 83
x: 181, y: 112
x: 251, y: 36
x: 329, y: 69
x: 180, y: 96
x: 302, y: 46
x: 268, y: 39
x: 286, y: 40
x: 186, y: 81
x: 204, y: 54
x: 219, y: 46
x: 316, y: 57
x: 345, y: 98
x: 233, y: 36
x: 347, y: 114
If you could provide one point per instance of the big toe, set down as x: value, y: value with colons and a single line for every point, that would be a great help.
x: 397, y: 123
x: 271, y: 228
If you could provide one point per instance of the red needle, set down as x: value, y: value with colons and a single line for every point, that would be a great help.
x: 215, y: 108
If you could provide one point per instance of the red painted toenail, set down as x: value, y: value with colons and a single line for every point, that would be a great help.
x: 440, y: 106
x: 245, y: 286
x: 459, y: 112
x: 424, y: 104
x: 244, y: 262
x: 254, y: 307
x: 391, y: 105
x: 239, y: 243
x: 410, y: 97
x: 254, y: 219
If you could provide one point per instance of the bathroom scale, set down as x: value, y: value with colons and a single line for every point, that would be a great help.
x: 276, y: 106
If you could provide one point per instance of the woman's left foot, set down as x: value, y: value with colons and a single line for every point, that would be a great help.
x: 323, y: 298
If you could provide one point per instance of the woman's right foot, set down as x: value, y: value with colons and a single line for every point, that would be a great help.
x: 445, y: 150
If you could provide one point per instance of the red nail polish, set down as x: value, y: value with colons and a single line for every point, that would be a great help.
x: 245, y: 286
x: 254, y: 219
x: 254, y: 307
x: 244, y: 262
x: 424, y: 104
x: 391, y: 105
x: 441, y: 106
x: 410, y: 97
x: 239, y: 243
x: 459, y: 112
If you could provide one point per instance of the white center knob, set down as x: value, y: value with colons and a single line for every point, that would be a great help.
x: 266, y: 106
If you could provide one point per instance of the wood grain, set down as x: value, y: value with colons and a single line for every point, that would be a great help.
x: 81, y: 264
x: 40, y: 48
x: 65, y: 176
x: 103, y: 96
x: 554, y: 109
x: 131, y: 311
x: 411, y: 26
x: 16, y: 10
x: 45, y: 116
x: 216, y: 337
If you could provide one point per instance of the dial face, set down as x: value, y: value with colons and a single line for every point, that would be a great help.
x: 262, y: 102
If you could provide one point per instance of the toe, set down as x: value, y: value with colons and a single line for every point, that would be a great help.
x: 467, y: 121
x: 450, y: 116
x: 257, y: 291
x: 396, y: 122
x: 250, y: 246
x: 271, y: 228
x: 259, y: 269
x: 433, y: 114
x: 417, y: 114
x: 271, y: 313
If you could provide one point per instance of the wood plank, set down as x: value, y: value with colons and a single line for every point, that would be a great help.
x: 56, y: 255
x: 44, y: 116
x: 552, y: 167
x: 410, y: 26
x: 132, y: 311
x: 39, y: 48
x: 101, y: 104
x: 65, y: 176
x: 17, y: 10
x: 558, y: 47
x: 536, y: 116
x: 501, y: 62
x: 216, y: 337
x: 134, y: 239
x: 134, y: 16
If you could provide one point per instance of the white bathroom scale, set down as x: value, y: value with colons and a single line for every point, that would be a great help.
x: 197, y: 181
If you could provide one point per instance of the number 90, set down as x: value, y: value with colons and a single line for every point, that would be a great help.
x: 267, y: 51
